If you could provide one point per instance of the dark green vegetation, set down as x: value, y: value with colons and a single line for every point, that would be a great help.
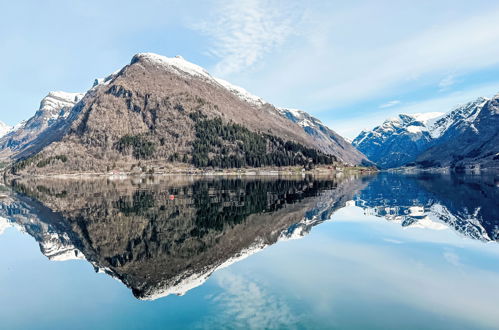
x: 47, y: 161
x: 141, y: 147
x: 23, y: 163
x: 229, y: 145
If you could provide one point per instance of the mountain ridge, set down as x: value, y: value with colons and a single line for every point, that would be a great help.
x: 126, y: 105
x: 410, y: 138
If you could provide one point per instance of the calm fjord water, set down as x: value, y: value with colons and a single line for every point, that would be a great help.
x: 383, y: 251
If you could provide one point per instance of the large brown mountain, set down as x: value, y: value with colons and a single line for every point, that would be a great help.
x: 160, y: 110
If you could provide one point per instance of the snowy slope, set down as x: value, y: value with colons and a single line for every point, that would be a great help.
x: 327, y: 139
x: 401, y: 140
x: 50, y: 110
x: 4, y: 129
x: 54, y: 108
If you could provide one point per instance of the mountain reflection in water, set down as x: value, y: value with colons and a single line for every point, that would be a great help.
x: 167, y: 236
x: 158, y: 245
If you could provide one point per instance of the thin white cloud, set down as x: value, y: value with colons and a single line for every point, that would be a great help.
x: 469, y: 44
x: 391, y: 240
x: 328, y: 68
x: 242, y: 32
x: 452, y: 258
x: 447, y: 82
x: 389, y: 104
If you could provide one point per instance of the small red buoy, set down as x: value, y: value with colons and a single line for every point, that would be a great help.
x: 172, y: 197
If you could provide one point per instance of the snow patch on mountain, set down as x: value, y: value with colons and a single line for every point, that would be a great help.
x: 4, y: 129
x: 177, y: 64
x: 402, y: 139
x: 55, y: 101
x: 241, y: 93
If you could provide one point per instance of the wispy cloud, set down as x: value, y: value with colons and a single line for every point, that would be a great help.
x: 391, y: 240
x: 331, y: 69
x: 447, y: 82
x: 452, y: 258
x: 389, y: 104
x: 242, y: 32
x: 469, y: 44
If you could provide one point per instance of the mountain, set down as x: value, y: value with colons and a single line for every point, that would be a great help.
x: 326, y: 139
x: 159, y: 110
x: 397, y: 141
x: 4, y: 129
x: 53, y: 111
x: 470, y: 141
x: 462, y: 137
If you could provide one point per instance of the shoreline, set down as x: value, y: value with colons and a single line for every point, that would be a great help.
x: 248, y: 172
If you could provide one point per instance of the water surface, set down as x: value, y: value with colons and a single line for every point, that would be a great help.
x: 383, y: 251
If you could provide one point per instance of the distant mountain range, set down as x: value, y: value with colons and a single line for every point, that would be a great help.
x: 159, y: 110
x: 465, y: 138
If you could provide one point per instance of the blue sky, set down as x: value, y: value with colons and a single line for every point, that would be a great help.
x: 350, y: 63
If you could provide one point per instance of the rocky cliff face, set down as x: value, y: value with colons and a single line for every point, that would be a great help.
x: 469, y: 142
x: 397, y: 141
x: 159, y: 109
x: 4, y: 129
x: 326, y: 139
x: 435, y: 139
x: 53, y: 111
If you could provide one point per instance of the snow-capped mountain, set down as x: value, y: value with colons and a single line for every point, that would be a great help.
x: 469, y: 139
x: 154, y: 97
x: 4, y: 129
x: 54, y: 108
x: 327, y: 140
x: 398, y: 140
x: 401, y: 140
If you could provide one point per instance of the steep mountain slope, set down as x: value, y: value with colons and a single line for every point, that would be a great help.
x: 157, y: 109
x: 54, y: 109
x: 326, y: 139
x: 469, y: 142
x: 397, y: 141
x: 405, y: 139
x: 4, y: 129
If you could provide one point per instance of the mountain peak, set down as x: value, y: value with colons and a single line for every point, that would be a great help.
x: 402, y: 140
x: 4, y: 128
x: 177, y: 63
x: 57, y: 100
